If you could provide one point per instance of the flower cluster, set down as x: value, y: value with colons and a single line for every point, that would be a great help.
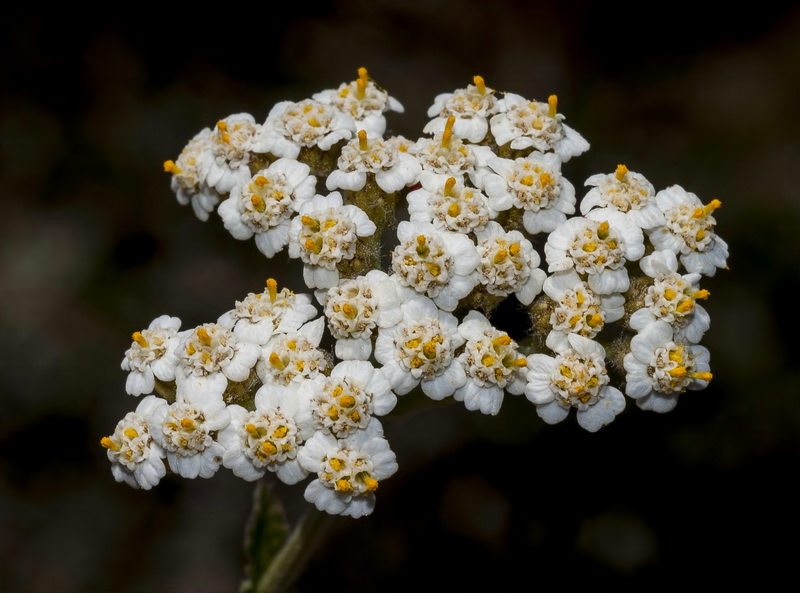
x: 611, y: 296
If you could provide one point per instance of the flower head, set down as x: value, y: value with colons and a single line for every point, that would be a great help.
x: 626, y: 191
x: 438, y: 264
x: 189, y: 175
x: 292, y: 357
x: 152, y: 355
x: 689, y: 231
x: 537, y: 125
x: 449, y: 205
x: 323, y: 234
x: 136, y: 458
x: 471, y: 107
x: 575, y: 378
x: 349, y: 471
x: 659, y: 368
x: 363, y: 156
x: 232, y: 143
x: 492, y: 364
x: 263, y: 205
x: 292, y: 126
x: 270, y: 437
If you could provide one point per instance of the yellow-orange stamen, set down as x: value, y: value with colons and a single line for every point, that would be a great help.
x: 622, y: 171
x: 552, y: 101
x: 202, y: 335
x: 272, y: 287
x: 171, y: 167
x: 362, y: 139
x: 139, y: 339
x: 479, y: 82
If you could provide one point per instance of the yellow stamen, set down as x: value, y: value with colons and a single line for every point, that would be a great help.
x: 565, y: 371
x: 574, y: 320
x: 349, y: 311
x: 202, y: 335
x: 280, y: 432
x: 500, y: 256
x: 429, y: 350
x: 206, y: 358
x: 272, y: 287
x: 545, y: 179
x: 347, y: 401
x: 552, y: 101
x: 276, y: 361
x: 453, y: 210
x: 514, y: 249
x: 250, y: 428
x: 503, y: 340
x: 702, y: 376
x: 333, y: 413
x: 337, y: 464
x: 447, y: 135
x: 354, y: 416
x: 313, y: 122
x: 622, y: 170
x: 701, y: 294
x: 478, y: 80
x: 602, y: 231
x: 130, y: 433
x: 187, y: 424
x: 448, y: 186
x: 313, y: 246
x: 685, y: 306
x: 579, y: 296
x: 701, y: 234
x: 527, y: 180
x: 362, y: 139
x: 261, y: 181
x: 190, y: 349
x: 139, y: 339
x: 416, y: 362
x: 291, y: 345
x: 337, y: 391
x: 669, y: 294
x: 590, y: 246
x: 676, y: 355
x: 109, y: 444
x: 519, y: 362
x: 677, y: 372
x: 412, y: 344
x: 363, y: 74
x: 269, y: 448
x: 361, y: 88
x: 433, y: 268
x: 343, y: 485
x: 488, y: 360
x: 258, y: 203
x: 222, y: 126
x: 594, y: 320
x: 171, y: 167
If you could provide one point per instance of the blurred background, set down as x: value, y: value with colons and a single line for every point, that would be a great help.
x: 94, y: 246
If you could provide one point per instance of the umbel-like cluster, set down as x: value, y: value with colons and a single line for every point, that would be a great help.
x: 613, y: 308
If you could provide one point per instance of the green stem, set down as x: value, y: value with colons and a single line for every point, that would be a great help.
x: 288, y: 564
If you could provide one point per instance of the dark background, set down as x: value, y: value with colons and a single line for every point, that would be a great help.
x: 93, y: 246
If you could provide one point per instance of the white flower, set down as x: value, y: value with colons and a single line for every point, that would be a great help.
x: 294, y: 356
x: 471, y: 107
x: 263, y: 205
x: 136, y: 458
x: 659, y: 369
x: 270, y: 437
x: 492, y: 364
x: 689, y: 231
x: 531, y: 124
x: 449, y: 205
x: 626, y: 191
x: 325, y: 233
x: 420, y: 349
x: 356, y: 307
x: 363, y: 101
x: 577, y: 309
x: 448, y: 156
x: 533, y: 184
x: 210, y: 356
x: 348, y: 471
x: 597, y: 246
x: 438, y: 264
x: 344, y: 402
x: 575, y: 378
x: 187, y: 431
x: 393, y: 170
x: 258, y: 316
x: 152, y: 355
x: 232, y: 143
x: 189, y: 175
x: 292, y: 126
x: 509, y: 264
x: 672, y: 299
